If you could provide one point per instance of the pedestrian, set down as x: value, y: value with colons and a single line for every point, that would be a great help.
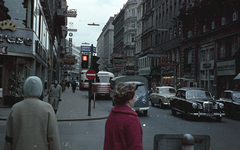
x: 74, y: 85
x: 123, y: 130
x: 32, y: 123
x: 55, y: 95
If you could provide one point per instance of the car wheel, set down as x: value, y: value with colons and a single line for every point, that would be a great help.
x: 218, y: 118
x: 160, y: 104
x: 152, y: 103
x: 174, y: 112
x: 145, y: 112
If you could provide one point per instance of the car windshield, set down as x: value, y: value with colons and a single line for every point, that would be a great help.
x: 141, y: 91
x: 167, y: 90
x: 198, y: 94
x: 236, y: 96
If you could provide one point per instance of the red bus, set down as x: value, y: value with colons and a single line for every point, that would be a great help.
x: 101, y: 85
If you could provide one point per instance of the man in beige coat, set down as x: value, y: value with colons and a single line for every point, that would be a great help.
x: 55, y: 95
x: 32, y: 124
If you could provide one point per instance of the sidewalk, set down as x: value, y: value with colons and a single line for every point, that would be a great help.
x: 71, y: 108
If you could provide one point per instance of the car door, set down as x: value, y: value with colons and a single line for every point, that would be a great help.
x: 227, y: 101
x: 154, y: 95
x: 182, y: 101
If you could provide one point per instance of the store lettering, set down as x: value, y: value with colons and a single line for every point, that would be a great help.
x: 16, y: 40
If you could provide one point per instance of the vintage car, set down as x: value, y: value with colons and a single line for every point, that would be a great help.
x: 161, y: 95
x: 193, y: 101
x: 142, y: 97
x: 231, y: 101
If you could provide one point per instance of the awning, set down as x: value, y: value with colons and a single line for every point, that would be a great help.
x: 237, y: 77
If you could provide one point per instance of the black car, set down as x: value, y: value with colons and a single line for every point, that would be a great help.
x: 193, y: 101
x: 231, y: 101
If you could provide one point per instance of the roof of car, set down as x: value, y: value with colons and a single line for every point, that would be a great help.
x: 164, y: 87
x: 191, y: 88
x: 232, y: 90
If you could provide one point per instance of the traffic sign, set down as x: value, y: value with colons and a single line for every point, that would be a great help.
x: 91, y: 74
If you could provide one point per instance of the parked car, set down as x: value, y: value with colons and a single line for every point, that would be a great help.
x: 193, y: 101
x: 142, y: 97
x: 161, y: 95
x: 231, y: 101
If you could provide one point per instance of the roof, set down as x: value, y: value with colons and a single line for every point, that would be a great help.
x: 165, y: 87
x: 192, y: 88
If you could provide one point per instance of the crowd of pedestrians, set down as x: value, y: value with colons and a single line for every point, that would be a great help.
x: 32, y: 123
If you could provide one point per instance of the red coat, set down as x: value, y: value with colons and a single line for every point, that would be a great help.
x: 123, y: 130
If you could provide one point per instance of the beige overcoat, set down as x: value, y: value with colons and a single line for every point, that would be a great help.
x: 55, y: 93
x: 32, y: 125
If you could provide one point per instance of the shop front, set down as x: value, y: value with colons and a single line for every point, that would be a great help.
x: 226, y: 72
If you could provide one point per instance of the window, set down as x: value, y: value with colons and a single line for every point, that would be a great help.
x: 222, y: 50
x: 233, y: 46
x: 213, y: 25
x: 20, y: 13
x: 204, y: 28
x: 133, y: 12
x: 189, y: 57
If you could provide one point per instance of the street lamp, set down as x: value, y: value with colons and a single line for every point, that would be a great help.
x: 93, y: 24
x: 86, y: 43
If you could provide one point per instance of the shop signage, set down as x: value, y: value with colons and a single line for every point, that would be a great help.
x: 226, y: 68
x: 16, y: 40
x: 72, y: 30
x: 85, y: 49
x: 7, y: 24
x: 3, y: 49
x: 118, y: 55
x: 71, y: 13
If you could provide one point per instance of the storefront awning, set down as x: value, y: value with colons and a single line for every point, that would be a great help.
x: 237, y: 77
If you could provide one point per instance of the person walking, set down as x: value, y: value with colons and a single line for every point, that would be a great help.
x: 123, y: 130
x: 32, y: 123
x: 55, y: 95
x: 74, y: 85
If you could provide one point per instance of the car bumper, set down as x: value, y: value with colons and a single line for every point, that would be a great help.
x: 140, y: 108
x: 208, y: 114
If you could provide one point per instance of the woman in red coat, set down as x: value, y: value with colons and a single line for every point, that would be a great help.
x: 123, y: 130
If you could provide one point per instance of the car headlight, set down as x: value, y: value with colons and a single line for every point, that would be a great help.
x: 144, y: 100
x: 194, y: 105
x: 221, y: 105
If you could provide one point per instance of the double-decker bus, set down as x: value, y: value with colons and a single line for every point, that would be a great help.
x: 84, y: 82
x: 101, y: 85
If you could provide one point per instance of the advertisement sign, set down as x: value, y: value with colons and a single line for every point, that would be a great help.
x: 86, y: 49
x: 226, y: 68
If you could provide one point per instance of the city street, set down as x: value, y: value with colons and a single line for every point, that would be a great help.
x: 89, y: 134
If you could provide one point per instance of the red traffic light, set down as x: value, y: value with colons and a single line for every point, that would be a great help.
x: 84, y: 58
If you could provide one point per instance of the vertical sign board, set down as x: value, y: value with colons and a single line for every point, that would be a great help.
x: 70, y: 45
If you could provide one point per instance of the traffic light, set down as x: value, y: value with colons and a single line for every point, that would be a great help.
x: 95, y: 64
x: 85, y: 61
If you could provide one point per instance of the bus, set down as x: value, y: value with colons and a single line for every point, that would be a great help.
x: 101, y: 84
x: 84, y: 82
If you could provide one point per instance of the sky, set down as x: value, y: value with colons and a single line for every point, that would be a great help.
x: 88, y: 12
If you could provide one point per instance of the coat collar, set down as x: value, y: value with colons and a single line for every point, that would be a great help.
x: 122, y: 108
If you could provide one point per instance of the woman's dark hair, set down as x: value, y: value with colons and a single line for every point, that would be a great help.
x: 124, y: 92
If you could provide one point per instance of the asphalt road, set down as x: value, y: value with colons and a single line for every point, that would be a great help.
x: 224, y: 135
x: 89, y: 135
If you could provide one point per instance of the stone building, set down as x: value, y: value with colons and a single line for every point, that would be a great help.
x: 31, y: 35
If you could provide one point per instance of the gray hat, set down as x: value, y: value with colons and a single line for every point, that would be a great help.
x: 33, y: 86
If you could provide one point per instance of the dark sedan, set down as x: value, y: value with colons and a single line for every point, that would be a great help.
x: 231, y: 101
x: 199, y: 102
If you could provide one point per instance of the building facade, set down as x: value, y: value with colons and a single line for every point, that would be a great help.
x: 30, y: 35
x: 212, y: 40
x: 105, y: 45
